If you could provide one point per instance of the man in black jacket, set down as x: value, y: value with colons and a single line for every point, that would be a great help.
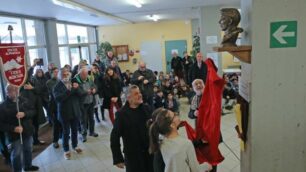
x: 57, y: 129
x: 66, y: 95
x: 177, y: 65
x: 144, y: 78
x: 9, y: 124
x: 198, y: 69
x: 187, y: 63
x: 130, y: 125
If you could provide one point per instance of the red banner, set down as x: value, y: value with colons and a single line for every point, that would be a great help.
x: 13, y: 63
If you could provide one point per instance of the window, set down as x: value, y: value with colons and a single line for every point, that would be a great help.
x: 93, y: 51
x: 17, y: 36
x: 35, y: 32
x: 76, y: 43
x: 64, y: 56
x: 61, y: 34
x: 30, y: 32
x: 77, y: 34
x: 91, y: 35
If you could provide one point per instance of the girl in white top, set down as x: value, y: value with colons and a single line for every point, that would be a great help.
x: 177, y: 152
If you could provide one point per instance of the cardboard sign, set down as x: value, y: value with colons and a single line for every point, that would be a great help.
x: 13, y: 63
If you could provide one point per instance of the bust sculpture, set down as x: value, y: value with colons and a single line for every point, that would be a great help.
x: 230, y: 18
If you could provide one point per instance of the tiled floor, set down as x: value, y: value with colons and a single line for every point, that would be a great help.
x: 97, y: 155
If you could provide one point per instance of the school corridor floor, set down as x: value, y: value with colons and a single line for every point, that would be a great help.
x: 96, y: 156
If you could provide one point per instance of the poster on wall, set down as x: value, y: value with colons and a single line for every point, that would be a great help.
x: 121, y: 52
x: 245, y: 81
x: 13, y: 63
x: 211, y: 39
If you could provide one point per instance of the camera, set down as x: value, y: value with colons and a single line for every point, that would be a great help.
x: 40, y: 62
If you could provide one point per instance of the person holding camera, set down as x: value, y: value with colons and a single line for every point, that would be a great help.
x: 144, y: 78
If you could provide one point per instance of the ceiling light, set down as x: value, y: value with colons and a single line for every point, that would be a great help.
x: 84, y: 8
x: 66, y: 5
x: 154, y: 17
x: 137, y: 3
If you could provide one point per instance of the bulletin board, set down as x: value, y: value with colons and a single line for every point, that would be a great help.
x: 121, y: 52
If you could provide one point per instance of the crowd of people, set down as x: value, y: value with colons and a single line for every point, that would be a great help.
x: 72, y: 100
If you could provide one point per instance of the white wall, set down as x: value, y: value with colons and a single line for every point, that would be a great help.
x: 209, y: 26
x: 278, y: 103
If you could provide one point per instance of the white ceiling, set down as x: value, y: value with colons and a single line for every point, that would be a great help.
x: 165, y: 9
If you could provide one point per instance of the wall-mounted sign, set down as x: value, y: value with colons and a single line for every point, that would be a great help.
x: 283, y: 34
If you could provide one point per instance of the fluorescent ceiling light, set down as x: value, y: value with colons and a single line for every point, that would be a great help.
x: 154, y: 17
x: 67, y: 5
x: 84, y: 8
x: 137, y: 3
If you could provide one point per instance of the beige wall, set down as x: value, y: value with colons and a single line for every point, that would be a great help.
x: 134, y: 34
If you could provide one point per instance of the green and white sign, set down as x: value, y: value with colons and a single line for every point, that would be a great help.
x: 283, y: 34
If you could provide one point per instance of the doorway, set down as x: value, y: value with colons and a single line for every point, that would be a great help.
x: 176, y: 45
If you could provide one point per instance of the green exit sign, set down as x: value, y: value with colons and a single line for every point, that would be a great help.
x: 283, y: 34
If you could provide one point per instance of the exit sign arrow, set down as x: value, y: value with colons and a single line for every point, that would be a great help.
x: 283, y: 34
x: 280, y: 33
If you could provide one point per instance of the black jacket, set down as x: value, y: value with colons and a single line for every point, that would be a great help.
x: 68, y: 103
x: 38, y: 115
x: 40, y: 88
x: 198, y: 73
x: 188, y: 65
x: 146, y: 89
x: 158, y: 102
x: 176, y: 64
x: 130, y: 125
x: 8, y: 120
x: 111, y: 88
x: 98, y: 81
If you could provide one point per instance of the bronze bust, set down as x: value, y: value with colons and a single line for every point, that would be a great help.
x: 230, y: 18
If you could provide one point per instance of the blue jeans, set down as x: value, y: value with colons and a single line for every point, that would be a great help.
x: 67, y: 126
x: 21, y: 155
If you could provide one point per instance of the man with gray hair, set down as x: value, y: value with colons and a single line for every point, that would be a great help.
x: 177, y: 65
x: 198, y: 88
x: 198, y: 69
x: 66, y: 95
x: 87, y: 103
x: 144, y: 78
x: 130, y: 125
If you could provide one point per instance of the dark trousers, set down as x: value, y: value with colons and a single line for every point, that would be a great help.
x: 4, y: 150
x: 36, y: 128
x: 214, y: 168
x: 70, y: 125
x: 21, y: 156
x: 87, y: 119
x: 57, y: 129
x: 139, y: 162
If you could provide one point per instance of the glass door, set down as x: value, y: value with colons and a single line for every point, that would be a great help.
x: 79, y: 53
